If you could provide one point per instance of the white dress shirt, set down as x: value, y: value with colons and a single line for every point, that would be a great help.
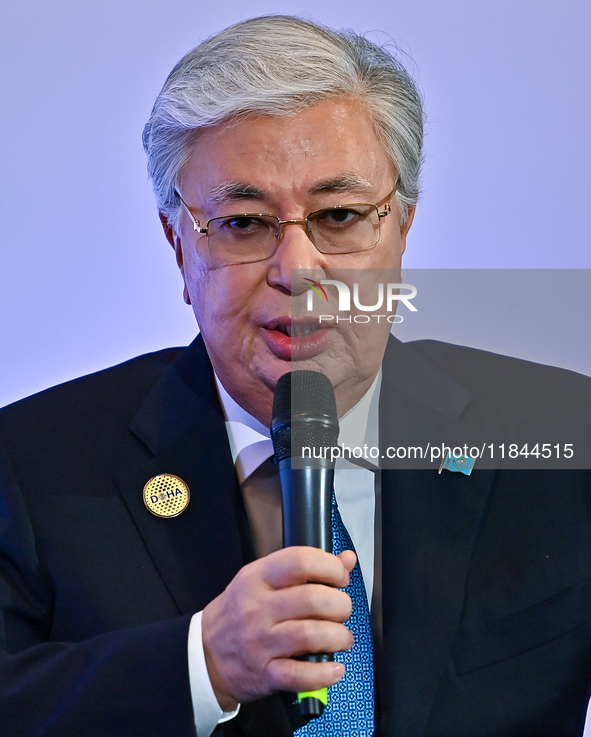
x: 251, y: 445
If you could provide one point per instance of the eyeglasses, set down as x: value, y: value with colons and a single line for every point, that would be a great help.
x: 250, y: 237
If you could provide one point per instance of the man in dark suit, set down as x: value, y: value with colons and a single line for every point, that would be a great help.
x: 120, y: 621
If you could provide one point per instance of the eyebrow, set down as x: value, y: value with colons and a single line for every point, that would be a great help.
x: 233, y: 191
x: 348, y: 182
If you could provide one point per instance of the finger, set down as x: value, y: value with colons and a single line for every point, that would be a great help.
x: 310, y: 601
x: 348, y: 559
x: 299, y: 637
x: 298, y: 675
x: 300, y: 564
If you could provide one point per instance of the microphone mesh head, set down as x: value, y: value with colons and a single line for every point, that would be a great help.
x: 304, y: 413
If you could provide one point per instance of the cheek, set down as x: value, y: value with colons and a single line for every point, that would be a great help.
x: 195, y: 270
x: 222, y: 298
x: 390, y: 253
x: 200, y: 285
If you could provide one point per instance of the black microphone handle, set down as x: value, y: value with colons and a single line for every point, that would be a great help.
x: 307, y: 520
x: 307, y: 504
x: 305, y: 419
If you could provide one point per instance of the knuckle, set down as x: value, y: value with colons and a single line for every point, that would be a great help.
x: 328, y: 603
x: 291, y: 639
x: 312, y: 598
x: 301, y: 558
x: 283, y: 674
x: 297, y: 637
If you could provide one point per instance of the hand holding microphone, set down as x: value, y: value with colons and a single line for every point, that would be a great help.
x: 304, y: 422
x: 287, y: 604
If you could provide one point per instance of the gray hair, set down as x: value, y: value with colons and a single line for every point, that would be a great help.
x: 279, y: 65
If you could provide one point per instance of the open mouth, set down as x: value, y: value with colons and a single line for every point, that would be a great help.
x: 296, y: 340
x: 295, y: 330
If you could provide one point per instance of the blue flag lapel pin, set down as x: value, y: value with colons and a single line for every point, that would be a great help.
x: 462, y: 464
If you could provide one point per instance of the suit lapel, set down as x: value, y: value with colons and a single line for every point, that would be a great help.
x: 430, y: 521
x: 429, y: 526
x: 182, y: 427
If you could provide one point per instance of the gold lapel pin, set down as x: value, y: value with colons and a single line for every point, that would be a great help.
x: 166, y: 495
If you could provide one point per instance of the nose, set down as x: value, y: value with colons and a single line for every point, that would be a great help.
x: 294, y: 251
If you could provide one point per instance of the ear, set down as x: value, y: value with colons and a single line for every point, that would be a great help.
x: 175, y: 241
x: 406, y: 227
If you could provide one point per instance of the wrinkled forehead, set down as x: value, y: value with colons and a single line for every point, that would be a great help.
x: 326, y: 148
x: 337, y: 111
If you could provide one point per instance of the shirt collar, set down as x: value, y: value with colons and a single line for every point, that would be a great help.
x: 251, y: 444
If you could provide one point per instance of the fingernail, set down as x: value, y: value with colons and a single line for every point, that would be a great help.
x: 338, y: 672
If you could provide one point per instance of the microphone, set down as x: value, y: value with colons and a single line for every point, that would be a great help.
x: 304, y: 424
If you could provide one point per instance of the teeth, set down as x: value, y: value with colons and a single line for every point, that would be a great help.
x: 297, y: 330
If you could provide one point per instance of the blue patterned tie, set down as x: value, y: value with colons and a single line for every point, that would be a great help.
x: 350, y: 710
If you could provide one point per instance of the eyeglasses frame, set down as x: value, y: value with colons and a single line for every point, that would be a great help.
x: 304, y: 221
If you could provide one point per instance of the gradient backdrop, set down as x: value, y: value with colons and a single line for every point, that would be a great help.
x: 86, y: 278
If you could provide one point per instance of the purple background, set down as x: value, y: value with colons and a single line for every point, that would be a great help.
x: 86, y: 277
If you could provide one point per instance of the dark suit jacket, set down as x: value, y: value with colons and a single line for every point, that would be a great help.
x: 486, y: 586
